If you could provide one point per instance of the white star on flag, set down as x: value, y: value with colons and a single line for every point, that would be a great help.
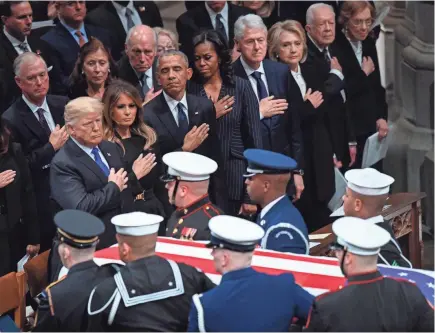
x: 431, y: 285
x: 403, y: 274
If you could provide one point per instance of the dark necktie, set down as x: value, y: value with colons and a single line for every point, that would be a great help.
x: 43, y: 121
x: 129, y: 16
x: 24, y: 47
x: 261, y: 87
x: 99, y: 161
x: 145, y: 87
x: 220, y: 27
x: 326, y: 55
x: 183, y: 124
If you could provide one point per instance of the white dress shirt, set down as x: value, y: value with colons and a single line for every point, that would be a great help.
x: 88, y: 151
x: 300, y: 81
x: 121, y: 13
x: 357, y: 49
x: 47, y: 115
x: 269, y: 206
x: 172, y: 103
x: 224, y: 18
x: 15, y: 42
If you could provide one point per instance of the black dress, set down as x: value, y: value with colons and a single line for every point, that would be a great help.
x: 150, y: 193
x: 18, y: 225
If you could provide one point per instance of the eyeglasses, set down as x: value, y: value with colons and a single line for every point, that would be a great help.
x: 360, y: 23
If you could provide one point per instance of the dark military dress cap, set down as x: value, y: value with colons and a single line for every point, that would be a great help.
x: 262, y: 161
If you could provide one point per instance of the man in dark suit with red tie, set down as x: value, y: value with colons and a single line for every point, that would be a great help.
x: 36, y: 121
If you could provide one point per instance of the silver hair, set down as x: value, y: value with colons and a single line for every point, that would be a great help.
x: 250, y: 21
x: 173, y: 53
x: 137, y: 27
x: 25, y: 58
x: 80, y: 107
x: 310, y: 11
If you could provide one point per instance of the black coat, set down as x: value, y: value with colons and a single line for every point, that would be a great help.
x: 65, y: 49
x: 127, y: 73
x: 365, y: 94
x: 146, y: 281
x: 197, y: 19
x: 372, y: 303
x: 106, y: 16
x: 26, y: 130
x: 77, y: 182
x: 7, y: 56
x: 237, y: 131
x: 338, y: 115
x: 63, y: 304
x: 19, y: 225
x: 285, y: 132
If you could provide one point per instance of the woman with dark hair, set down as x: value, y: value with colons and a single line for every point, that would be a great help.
x: 93, y: 71
x: 237, y: 113
x: 123, y: 124
x: 19, y: 228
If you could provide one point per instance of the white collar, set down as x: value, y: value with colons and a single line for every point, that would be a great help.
x: 86, y: 149
x: 148, y: 72
x: 316, y: 45
x: 121, y: 9
x: 298, y: 73
x: 249, y: 70
x: 212, y: 14
x: 34, y: 107
x: 376, y: 219
x: 172, y: 103
x: 269, y: 206
x: 12, y: 39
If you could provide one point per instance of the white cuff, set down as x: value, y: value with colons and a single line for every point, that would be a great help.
x: 337, y: 72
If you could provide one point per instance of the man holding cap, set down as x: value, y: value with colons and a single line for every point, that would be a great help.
x: 188, y: 179
x: 245, y: 300
x: 149, y: 293
x: 369, y: 302
x: 62, y: 305
x: 268, y: 174
x: 366, y: 194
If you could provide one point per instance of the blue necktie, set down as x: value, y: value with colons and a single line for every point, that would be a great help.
x: 261, y: 87
x: 183, y: 125
x: 99, y: 161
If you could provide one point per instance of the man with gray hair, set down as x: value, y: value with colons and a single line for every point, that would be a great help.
x: 138, y: 65
x: 270, y: 81
x: 88, y: 172
x: 36, y: 122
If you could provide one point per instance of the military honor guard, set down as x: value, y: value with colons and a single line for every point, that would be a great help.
x: 188, y: 179
x: 62, y: 305
x: 366, y: 194
x: 245, y: 300
x: 149, y: 293
x: 267, y: 176
x: 369, y: 302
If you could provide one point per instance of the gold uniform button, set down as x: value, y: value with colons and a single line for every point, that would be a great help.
x: 180, y: 221
x: 207, y: 207
x: 185, y: 211
x: 175, y: 231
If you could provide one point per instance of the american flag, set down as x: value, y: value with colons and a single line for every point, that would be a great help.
x: 316, y: 274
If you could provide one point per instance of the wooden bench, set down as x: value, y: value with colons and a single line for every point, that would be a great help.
x: 13, y: 296
x: 403, y: 211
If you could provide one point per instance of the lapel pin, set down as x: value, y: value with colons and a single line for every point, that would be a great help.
x: 142, y: 9
x: 196, y: 112
x: 262, y: 222
x: 108, y: 154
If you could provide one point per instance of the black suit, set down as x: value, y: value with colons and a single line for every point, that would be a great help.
x: 27, y: 131
x: 106, y: 16
x: 7, y: 56
x: 284, y: 134
x: 365, y: 94
x: 65, y: 49
x: 127, y: 73
x: 77, y: 182
x: 198, y: 19
x: 318, y: 162
x: 338, y: 115
x: 237, y: 130
x: 201, y: 111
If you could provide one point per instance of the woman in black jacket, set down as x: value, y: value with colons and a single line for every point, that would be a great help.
x: 19, y: 227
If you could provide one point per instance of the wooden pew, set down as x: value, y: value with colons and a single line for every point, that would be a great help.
x: 13, y: 296
x: 403, y: 211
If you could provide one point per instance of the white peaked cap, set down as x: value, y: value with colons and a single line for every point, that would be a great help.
x: 359, y: 236
x: 137, y: 223
x: 189, y: 166
x: 368, y: 181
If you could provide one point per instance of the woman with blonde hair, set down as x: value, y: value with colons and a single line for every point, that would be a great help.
x: 365, y: 95
x: 123, y: 124
x: 287, y: 44
x: 264, y: 9
x: 166, y: 40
